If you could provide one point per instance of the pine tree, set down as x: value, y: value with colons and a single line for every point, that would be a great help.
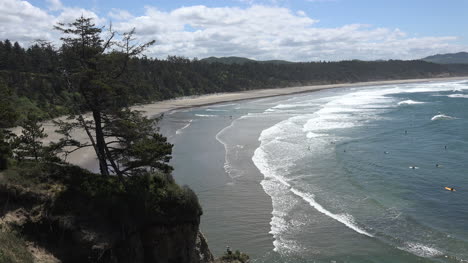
x: 8, y: 118
x: 29, y: 144
x: 125, y: 142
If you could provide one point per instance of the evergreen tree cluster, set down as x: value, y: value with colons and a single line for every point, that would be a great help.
x: 36, y: 76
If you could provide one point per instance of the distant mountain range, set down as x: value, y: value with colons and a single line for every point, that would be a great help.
x: 451, y: 58
x: 241, y: 60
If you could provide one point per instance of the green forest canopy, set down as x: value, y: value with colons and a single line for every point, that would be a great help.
x: 34, y: 75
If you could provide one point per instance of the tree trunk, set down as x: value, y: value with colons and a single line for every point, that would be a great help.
x: 100, y: 144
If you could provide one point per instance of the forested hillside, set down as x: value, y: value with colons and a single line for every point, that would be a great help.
x: 451, y: 58
x: 35, y: 77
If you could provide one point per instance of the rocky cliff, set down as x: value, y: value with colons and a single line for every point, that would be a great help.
x: 67, y: 224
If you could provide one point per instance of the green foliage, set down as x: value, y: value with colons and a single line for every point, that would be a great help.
x: 8, y: 118
x: 25, y: 106
x: 236, y: 256
x: 5, y: 151
x: 137, y: 146
x: 37, y: 74
x: 148, y: 198
x: 13, y: 249
x: 29, y: 175
x: 8, y: 113
x: 152, y: 197
x: 124, y: 141
x: 29, y: 144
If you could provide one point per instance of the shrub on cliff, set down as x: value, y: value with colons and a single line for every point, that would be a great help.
x: 75, y: 191
x: 235, y: 257
x: 13, y: 249
x: 150, y: 197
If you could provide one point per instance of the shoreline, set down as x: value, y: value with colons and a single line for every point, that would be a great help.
x: 160, y: 107
x: 85, y: 157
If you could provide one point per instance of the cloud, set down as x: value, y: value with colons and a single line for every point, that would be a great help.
x: 21, y: 21
x: 257, y: 31
x: 119, y: 14
x: 55, y: 5
x: 70, y: 14
x: 266, y: 32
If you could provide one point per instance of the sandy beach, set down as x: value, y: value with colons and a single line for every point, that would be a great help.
x: 86, y: 157
x: 190, y: 102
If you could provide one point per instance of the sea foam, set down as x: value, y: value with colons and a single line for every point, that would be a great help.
x: 179, y: 131
x: 285, y: 143
x: 457, y: 95
x: 345, y: 219
x: 421, y: 250
x: 442, y: 117
x: 409, y: 102
x: 205, y: 115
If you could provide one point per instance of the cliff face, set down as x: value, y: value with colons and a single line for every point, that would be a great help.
x: 90, y: 235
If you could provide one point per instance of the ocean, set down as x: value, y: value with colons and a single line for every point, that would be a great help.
x: 341, y: 175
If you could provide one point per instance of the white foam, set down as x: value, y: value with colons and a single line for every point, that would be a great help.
x: 179, y: 131
x: 282, y: 145
x: 260, y: 159
x: 292, y: 106
x: 205, y: 115
x: 457, y: 95
x: 345, y: 219
x: 410, y: 102
x: 231, y: 152
x: 215, y: 110
x: 227, y: 166
x: 442, y: 117
x: 350, y: 110
x: 314, y: 135
x: 421, y: 250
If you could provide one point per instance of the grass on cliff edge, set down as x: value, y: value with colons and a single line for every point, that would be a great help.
x: 13, y: 249
x: 149, y: 198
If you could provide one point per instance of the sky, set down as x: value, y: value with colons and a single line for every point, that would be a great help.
x: 294, y: 30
